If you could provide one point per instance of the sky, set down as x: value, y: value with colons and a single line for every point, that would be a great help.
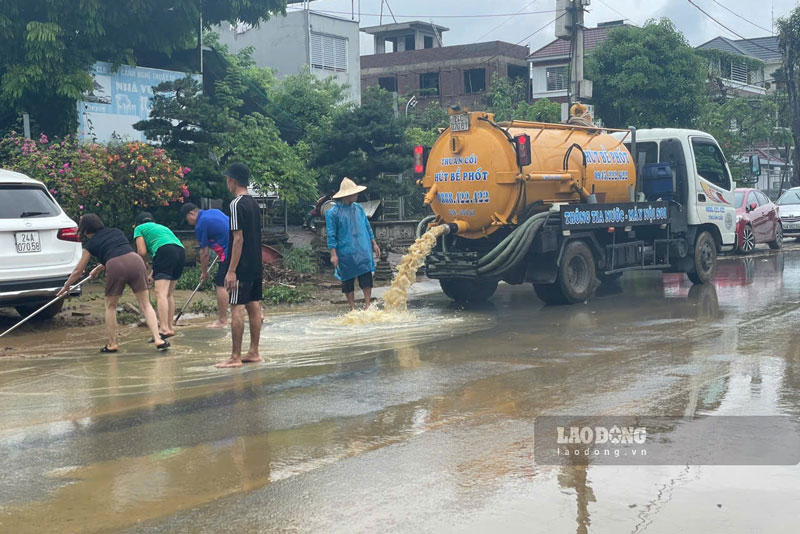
x: 754, y: 17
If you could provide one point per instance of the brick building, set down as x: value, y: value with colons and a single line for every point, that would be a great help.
x: 410, y: 59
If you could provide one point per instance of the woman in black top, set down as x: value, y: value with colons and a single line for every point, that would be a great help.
x: 123, y: 267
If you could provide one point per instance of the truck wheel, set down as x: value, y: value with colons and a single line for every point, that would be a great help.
x: 461, y: 290
x: 748, y: 242
x: 777, y: 243
x: 577, y: 273
x: 704, y: 259
x: 47, y: 313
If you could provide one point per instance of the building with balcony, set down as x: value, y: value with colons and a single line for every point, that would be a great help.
x: 411, y: 59
x: 742, y: 76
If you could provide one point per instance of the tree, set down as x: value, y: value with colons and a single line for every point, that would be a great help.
x: 789, y: 39
x: 208, y: 131
x: 423, y: 125
x: 506, y: 98
x: 48, y: 47
x: 365, y: 143
x: 647, y: 77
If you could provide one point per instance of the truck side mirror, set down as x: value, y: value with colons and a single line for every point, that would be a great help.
x: 755, y: 165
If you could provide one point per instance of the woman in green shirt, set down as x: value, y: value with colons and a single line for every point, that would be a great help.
x: 168, y: 258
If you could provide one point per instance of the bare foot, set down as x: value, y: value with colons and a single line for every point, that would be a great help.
x: 231, y: 363
x: 251, y: 358
x: 218, y: 324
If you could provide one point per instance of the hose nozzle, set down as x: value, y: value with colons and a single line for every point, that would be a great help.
x: 455, y: 227
x: 429, y: 196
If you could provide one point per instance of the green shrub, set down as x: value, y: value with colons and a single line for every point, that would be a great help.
x: 191, y: 276
x: 300, y: 260
x: 286, y: 295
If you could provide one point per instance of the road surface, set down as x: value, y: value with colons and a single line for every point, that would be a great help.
x: 426, y: 425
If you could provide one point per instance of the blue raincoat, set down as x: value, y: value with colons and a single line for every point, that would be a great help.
x: 350, y: 233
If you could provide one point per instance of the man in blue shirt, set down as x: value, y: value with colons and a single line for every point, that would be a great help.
x: 211, y: 230
x: 351, y: 242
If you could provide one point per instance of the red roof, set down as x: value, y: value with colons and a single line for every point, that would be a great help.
x: 592, y: 38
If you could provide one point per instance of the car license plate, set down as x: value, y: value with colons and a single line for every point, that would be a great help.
x: 459, y: 122
x: 28, y: 242
x: 792, y: 225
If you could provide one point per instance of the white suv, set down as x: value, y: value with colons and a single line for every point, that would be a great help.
x: 39, y: 245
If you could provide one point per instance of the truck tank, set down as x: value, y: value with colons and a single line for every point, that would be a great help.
x: 474, y: 180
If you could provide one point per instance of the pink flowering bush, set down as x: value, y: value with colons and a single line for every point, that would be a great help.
x: 116, y: 181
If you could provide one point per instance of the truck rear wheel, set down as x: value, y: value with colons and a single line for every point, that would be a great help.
x: 576, y: 280
x: 462, y: 290
x: 704, y: 259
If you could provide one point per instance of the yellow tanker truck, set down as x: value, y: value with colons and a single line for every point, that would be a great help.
x: 567, y: 206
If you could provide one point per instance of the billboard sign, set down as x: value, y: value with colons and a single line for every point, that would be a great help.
x: 119, y: 100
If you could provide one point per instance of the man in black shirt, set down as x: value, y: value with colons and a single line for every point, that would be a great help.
x: 244, y: 277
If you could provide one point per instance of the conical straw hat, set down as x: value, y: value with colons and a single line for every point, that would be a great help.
x: 348, y: 187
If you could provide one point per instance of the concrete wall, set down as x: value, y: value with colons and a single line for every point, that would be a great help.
x: 282, y: 44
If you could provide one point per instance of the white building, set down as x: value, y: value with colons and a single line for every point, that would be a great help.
x: 302, y: 39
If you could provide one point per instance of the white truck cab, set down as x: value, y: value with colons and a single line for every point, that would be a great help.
x: 702, y: 179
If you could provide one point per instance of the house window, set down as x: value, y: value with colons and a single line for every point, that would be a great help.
x: 328, y: 52
x: 428, y: 42
x: 556, y: 78
x: 410, y: 42
x: 388, y: 84
x: 739, y: 72
x: 518, y: 72
x: 429, y: 83
x: 474, y: 80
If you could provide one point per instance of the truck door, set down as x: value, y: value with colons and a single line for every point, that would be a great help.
x: 714, y: 197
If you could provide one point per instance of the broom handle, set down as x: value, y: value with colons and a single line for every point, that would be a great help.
x: 26, y: 319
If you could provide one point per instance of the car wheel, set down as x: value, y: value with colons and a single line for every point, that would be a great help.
x: 47, y: 313
x: 748, y: 240
x: 777, y: 243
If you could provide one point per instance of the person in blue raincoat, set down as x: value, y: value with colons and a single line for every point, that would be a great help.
x: 351, y: 242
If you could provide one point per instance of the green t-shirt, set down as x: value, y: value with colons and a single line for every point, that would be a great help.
x: 155, y: 236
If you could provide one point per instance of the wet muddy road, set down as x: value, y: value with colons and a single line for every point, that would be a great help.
x: 423, y: 425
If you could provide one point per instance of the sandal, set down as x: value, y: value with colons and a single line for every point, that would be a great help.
x: 165, y: 346
x: 162, y: 336
x: 106, y: 350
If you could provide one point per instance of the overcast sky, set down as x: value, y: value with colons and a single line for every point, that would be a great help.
x: 695, y: 26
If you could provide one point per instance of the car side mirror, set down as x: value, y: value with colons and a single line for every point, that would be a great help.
x: 753, y: 206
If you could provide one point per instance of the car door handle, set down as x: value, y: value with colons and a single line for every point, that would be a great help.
x: 701, y: 197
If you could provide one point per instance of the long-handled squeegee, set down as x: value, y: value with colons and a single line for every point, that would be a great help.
x: 195, y: 290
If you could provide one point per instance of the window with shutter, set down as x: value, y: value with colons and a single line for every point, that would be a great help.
x: 328, y: 52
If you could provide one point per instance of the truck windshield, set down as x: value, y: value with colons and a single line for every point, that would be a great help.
x: 710, y: 163
x: 789, y: 197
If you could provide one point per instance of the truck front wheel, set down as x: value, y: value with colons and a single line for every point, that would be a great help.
x: 704, y: 259
x: 461, y: 290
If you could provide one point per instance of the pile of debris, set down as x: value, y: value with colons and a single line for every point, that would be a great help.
x: 276, y: 274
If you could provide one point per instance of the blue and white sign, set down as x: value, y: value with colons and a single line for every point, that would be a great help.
x: 119, y: 100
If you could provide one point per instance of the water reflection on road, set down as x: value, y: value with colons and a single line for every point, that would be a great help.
x: 422, y: 425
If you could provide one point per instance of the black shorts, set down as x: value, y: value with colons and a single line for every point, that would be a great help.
x: 222, y: 271
x: 168, y: 262
x: 364, y: 281
x: 246, y: 291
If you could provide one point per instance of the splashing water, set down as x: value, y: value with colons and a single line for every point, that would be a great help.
x: 396, y: 299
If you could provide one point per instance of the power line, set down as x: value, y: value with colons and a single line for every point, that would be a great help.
x: 741, y: 17
x: 479, y: 39
x: 525, y: 38
x: 751, y: 41
x: 428, y: 16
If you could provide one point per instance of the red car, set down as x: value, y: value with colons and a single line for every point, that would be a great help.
x: 757, y: 221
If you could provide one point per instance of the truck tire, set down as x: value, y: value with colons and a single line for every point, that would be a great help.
x: 704, y: 259
x: 461, y: 290
x: 47, y: 313
x: 576, y: 280
x: 777, y: 243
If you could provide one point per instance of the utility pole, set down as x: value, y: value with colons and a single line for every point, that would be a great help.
x: 570, y: 26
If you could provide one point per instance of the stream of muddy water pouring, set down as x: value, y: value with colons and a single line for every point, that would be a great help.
x: 395, y: 302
